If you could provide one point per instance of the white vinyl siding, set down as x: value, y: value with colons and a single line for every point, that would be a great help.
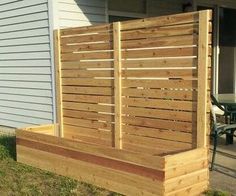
x: 25, y: 63
x: 74, y: 13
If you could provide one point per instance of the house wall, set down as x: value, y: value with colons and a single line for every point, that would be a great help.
x: 132, y: 8
x: 225, y: 73
x: 81, y: 12
x: 226, y: 70
x: 25, y: 63
x: 160, y: 7
x: 72, y: 13
x: 222, y: 3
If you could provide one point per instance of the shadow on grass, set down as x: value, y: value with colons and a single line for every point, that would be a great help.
x: 63, y: 185
x: 7, y: 147
x: 217, y: 193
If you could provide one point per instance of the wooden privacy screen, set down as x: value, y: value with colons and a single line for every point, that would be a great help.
x: 132, y: 102
x: 137, y: 85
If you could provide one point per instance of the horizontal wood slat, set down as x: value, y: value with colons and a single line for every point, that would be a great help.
x: 88, y: 90
x: 170, y: 73
x: 157, y: 93
x: 88, y: 136
x: 87, y: 123
x: 86, y: 56
x: 170, y: 84
x: 152, y: 53
x: 97, y: 37
x: 86, y: 47
x: 164, y: 104
x: 161, y: 114
x: 160, y: 42
x: 78, y: 137
x: 168, y: 31
x: 88, y: 107
x: 88, y: 115
x: 160, y: 63
x: 88, y: 64
x: 86, y: 73
x: 87, y: 82
x: 85, y: 30
x: 154, y: 143
x: 87, y: 98
x: 158, y: 133
x: 157, y: 123
x: 89, y: 132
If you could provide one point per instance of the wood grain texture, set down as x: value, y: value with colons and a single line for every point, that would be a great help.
x: 141, y: 73
x: 116, y: 180
x: 133, y: 102
x: 105, y: 162
x: 203, y: 53
x: 155, y: 162
x: 118, y: 84
x: 57, y: 57
x: 180, y: 174
x: 161, y: 21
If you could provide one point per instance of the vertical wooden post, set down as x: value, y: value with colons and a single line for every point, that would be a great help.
x: 57, y: 60
x: 203, y: 47
x: 118, y: 85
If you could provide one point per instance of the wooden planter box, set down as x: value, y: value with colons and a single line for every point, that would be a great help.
x: 129, y: 173
x: 132, y: 107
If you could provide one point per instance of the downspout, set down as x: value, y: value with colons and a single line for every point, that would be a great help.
x: 53, y: 24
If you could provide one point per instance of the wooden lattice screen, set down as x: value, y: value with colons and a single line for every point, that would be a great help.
x: 137, y: 85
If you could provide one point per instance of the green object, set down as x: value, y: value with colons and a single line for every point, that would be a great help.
x: 228, y: 101
x: 219, y: 129
x: 217, y: 193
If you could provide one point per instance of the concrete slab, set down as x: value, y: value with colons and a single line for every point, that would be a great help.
x: 223, y: 177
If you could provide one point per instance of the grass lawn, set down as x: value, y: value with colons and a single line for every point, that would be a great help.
x: 18, y: 179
